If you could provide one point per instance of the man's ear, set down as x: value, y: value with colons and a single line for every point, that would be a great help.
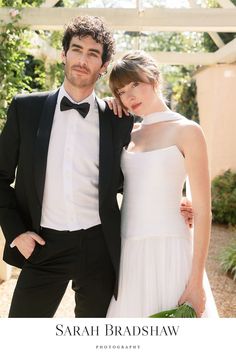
x: 63, y: 57
x: 103, y: 69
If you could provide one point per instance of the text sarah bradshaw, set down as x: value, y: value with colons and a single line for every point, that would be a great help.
x: 111, y: 330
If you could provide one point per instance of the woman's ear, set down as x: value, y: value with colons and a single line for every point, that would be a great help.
x: 156, y: 86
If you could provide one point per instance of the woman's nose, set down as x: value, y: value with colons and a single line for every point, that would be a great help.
x: 130, y: 96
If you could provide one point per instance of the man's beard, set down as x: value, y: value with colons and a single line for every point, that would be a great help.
x: 81, y: 82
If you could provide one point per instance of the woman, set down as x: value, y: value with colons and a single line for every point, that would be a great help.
x: 162, y: 262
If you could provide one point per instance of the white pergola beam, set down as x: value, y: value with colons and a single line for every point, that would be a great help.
x: 155, y: 19
x: 214, y: 36
x: 193, y: 3
x: 226, y: 54
x: 41, y: 49
x: 216, y: 39
x: 178, y: 58
x: 226, y: 4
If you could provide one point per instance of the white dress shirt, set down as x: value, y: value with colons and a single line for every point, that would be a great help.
x: 70, y: 200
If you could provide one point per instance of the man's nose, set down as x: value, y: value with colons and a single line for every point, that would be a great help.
x: 83, y: 59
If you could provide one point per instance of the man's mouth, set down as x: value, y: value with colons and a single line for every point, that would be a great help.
x: 80, y: 70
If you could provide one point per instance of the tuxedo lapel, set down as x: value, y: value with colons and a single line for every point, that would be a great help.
x: 105, y: 149
x: 42, y: 142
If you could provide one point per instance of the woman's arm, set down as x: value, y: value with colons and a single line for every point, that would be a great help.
x: 194, y: 147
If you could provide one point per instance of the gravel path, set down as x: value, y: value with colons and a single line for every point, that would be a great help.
x: 223, y: 287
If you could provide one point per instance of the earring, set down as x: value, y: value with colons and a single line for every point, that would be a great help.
x: 101, y: 74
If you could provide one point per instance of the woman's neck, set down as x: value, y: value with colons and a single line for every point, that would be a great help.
x: 158, y: 105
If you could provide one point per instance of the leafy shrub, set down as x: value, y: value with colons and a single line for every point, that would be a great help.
x: 224, y: 198
x: 228, y: 260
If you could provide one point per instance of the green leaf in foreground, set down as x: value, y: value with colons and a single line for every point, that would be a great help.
x: 182, y: 311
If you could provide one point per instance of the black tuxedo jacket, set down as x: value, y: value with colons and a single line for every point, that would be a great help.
x: 23, y: 158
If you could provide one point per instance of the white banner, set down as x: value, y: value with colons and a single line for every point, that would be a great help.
x: 111, y: 336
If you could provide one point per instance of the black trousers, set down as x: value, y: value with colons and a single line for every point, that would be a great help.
x: 80, y: 256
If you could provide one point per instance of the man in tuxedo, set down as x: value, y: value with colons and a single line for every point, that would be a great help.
x: 61, y: 220
x: 62, y: 149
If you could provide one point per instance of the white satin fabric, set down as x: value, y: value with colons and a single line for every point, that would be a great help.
x: 156, y: 243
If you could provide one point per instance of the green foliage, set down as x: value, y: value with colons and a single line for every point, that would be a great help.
x: 172, y: 41
x: 182, y: 311
x: 44, y: 76
x: 228, y: 260
x: 72, y: 3
x: 18, y: 4
x: 180, y: 90
x: 184, y: 95
x: 12, y: 64
x: 20, y: 72
x: 224, y: 198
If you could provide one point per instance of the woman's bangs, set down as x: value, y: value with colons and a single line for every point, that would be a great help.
x: 122, y: 76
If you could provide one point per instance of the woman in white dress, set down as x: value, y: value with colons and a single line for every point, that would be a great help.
x: 162, y: 260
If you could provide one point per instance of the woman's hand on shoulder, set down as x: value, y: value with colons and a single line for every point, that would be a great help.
x: 115, y: 105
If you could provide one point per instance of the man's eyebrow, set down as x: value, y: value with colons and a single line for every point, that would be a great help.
x: 95, y: 50
x: 90, y: 49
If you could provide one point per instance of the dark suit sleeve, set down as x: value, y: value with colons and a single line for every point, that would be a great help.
x: 126, y: 142
x: 10, y: 220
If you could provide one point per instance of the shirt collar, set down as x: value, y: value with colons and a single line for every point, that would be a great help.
x: 91, y: 99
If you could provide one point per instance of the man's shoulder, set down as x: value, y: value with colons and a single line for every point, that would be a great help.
x: 104, y: 108
x: 126, y: 120
x: 32, y: 96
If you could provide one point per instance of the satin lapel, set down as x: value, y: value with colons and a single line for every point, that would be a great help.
x: 42, y: 142
x: 105, y: 150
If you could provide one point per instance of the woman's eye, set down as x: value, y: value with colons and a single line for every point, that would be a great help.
x: 120, y: 93
x: 135, y: 84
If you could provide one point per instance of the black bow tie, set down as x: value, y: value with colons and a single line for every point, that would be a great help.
x: 82, y: 108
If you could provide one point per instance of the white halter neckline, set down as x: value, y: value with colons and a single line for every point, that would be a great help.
x: 158, y: 117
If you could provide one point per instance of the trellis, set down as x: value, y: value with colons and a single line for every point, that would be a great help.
x: 193, y: 19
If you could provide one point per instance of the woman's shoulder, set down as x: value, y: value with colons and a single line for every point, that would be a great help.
x: 190, y: 132
x: 188, y: 125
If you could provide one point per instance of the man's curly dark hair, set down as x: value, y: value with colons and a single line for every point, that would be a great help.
x: 93, y: 26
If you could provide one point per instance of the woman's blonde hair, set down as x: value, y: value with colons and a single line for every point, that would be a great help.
x: 135, y: 66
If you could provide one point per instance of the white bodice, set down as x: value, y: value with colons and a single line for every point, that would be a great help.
x: 153, y: 184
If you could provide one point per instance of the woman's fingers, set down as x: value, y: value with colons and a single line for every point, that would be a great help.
x: 115, y: 105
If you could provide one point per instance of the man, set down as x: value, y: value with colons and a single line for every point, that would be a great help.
x: 61, y: 220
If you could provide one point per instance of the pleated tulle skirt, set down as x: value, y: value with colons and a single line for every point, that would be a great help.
x: 154, y: 272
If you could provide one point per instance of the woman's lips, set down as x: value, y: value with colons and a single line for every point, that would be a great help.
x: 135, y: 106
